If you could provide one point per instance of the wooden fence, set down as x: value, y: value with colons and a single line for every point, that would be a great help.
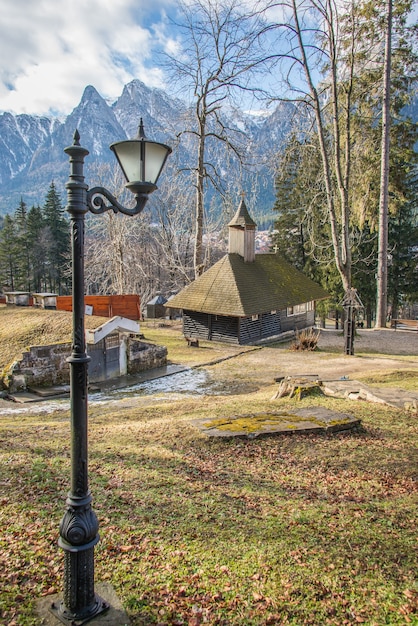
x: 106, y: 306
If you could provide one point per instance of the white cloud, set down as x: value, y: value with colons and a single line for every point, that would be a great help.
x: 51, y: 49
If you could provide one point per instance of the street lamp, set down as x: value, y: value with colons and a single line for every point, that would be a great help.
x: 351, y: 302
x: 141, y: 161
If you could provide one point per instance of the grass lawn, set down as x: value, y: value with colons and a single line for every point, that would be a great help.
x: 297, y: 529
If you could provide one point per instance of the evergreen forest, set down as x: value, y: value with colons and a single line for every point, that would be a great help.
x: 35, y: 248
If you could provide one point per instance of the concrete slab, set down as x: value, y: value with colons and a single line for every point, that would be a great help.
x: 305, y: 420
x: 47, y: 392
x: 115, y: 616
x: 23, y: 397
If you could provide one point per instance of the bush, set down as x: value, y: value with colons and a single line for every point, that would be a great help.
x: 306, y: 340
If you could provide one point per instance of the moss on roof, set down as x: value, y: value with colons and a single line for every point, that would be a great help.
x: 235, y: 288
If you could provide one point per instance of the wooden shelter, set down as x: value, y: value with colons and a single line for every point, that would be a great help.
x: 45, y: 300
x: 18, y: 298
x: 247, y: 297
x: 156, y: 307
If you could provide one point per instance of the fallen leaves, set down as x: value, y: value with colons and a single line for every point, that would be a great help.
x: 305, y: 530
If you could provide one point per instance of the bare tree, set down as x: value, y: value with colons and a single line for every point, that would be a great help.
x: 106, y: 241
x: 173, y: 231
x: 318, y: 60
x: 382, y: 278
x: 218, y: 53
x: 146, y: 254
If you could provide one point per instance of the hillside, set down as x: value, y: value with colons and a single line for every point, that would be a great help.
x: 21, y: 327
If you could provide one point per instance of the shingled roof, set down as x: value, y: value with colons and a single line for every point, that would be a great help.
x: 242, y: 217
x: 232, y: 287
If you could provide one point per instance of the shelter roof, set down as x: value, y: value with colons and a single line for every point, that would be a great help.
x: 115, y: 323
x: 159, y: 299
x: 235, y: 288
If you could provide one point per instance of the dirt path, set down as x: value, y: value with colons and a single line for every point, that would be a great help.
x: 374, y: 353
x: 369, y: 345
x: 387, y: 341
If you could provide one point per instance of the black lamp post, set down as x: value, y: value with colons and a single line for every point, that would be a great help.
x: 142, y: 162
x: 351, y: 302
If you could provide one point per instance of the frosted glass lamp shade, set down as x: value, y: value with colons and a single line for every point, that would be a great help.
x: 141, y: 160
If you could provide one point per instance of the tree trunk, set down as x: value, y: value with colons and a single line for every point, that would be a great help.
x: 340, y: 239
x: 200, y: 176
x: 382, y: 278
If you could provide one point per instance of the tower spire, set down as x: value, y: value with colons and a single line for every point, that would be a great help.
x: 242, y: 233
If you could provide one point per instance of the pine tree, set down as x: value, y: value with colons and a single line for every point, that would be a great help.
x: 57, y: 241
x: 36, y: 233
x: 23, y: 251
x: 8, y: 270
x: 362, y: 155
x: 364, y: 268
x: 403, y: 218
x: 290, y: 236
x: 403, y: 260
x: 302, y: 233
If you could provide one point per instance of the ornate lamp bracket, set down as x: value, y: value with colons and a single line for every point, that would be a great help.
x: 96, y: 203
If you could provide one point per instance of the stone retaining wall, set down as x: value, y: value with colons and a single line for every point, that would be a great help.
x: 144, y: 356
x: 41, y: 366
x: 46, y: 366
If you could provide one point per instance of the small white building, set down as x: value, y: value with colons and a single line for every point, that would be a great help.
x: 45, y: 300
x: 17, y: 298
x: 107, y: 346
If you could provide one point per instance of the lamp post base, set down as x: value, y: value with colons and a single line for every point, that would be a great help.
x: 114, y: 616
x: 65, y: 616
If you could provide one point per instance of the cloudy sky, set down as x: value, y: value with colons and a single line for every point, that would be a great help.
x: 51, y: 49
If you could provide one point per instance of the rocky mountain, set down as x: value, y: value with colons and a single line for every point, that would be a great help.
x: 31, y: 147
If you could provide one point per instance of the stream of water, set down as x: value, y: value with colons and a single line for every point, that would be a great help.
x: 191, y: 382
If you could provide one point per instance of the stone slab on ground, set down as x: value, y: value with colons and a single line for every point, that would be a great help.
x: 305, y: 420
x: 23, y: 397
x: 47, y: 392
x: 115, y: 616
x: 355, y: 390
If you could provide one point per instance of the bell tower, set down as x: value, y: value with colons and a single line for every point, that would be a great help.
x: 241, y: 231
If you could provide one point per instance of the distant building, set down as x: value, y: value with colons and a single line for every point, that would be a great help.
x: 156, y: 307
x: 247, y: 297
x: 18, y: 298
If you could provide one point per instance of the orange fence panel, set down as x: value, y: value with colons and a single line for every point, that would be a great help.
x: 107, y: 306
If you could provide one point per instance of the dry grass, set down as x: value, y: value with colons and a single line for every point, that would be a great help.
x: 22, y: 327
x: 300, y: 530
x: 294, y: 530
